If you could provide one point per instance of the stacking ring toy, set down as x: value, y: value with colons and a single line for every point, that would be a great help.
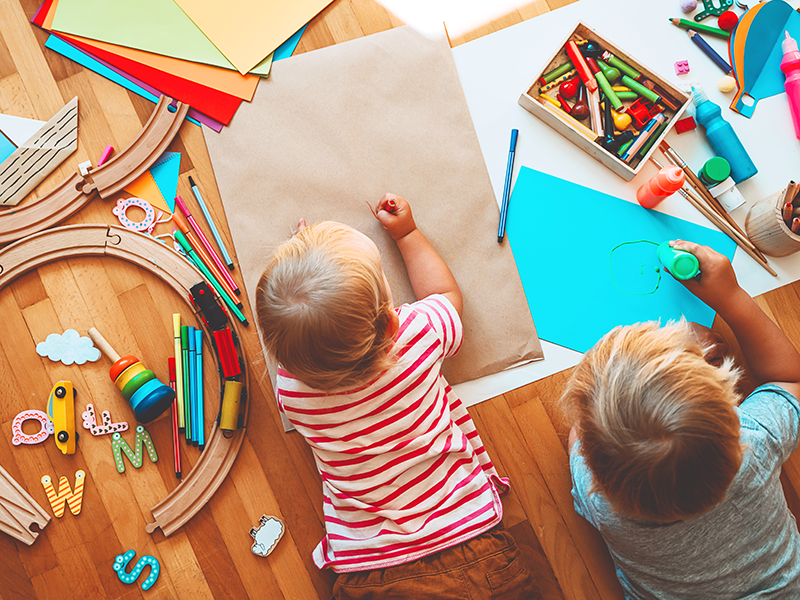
x: 123, y: 205
x: 148, y: 397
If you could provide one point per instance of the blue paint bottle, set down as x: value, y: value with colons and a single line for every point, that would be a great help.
x: 722, y: 137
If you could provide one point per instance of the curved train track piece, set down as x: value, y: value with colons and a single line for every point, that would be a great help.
x: 108, y: 240
x: 18, y: 511
x: 76, y: 191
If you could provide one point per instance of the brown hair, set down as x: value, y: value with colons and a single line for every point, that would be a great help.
x: 656, y: 423
x: 323, y: 308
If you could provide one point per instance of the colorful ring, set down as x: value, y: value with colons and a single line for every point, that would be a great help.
x: 123, y: 205
x: 122, y: 364
x: 144, y: 391
x: 129, y: 374
x: 135, y: 383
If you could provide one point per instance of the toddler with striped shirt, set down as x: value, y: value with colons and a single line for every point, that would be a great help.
x: 411, y: 499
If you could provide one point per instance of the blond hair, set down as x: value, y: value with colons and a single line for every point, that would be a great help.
x: 324, y: 309
x: 656, y: 423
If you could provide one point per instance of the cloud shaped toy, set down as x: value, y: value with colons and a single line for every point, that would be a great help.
x: 68, y: 348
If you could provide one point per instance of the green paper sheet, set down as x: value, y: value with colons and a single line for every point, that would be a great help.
x: 565, y: 260
x: 158, y: 26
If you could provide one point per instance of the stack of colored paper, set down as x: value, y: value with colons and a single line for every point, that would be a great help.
x: 206, y: 54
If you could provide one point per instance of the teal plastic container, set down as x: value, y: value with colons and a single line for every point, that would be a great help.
x: 681, y: 264
x: 722, y: 137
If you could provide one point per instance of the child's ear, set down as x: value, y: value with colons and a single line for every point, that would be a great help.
x: 394, y: 324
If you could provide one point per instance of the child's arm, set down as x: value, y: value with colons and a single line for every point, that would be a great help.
x: 429, y: 274
x: 768, y: 352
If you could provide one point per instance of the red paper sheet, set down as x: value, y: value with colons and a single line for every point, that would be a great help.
x: 217, y: 105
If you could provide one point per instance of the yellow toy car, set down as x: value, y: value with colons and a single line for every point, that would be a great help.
x: 61, y: 410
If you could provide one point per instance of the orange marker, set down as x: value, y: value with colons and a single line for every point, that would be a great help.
x: 580, y: 65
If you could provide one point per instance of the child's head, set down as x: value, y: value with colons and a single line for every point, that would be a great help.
x: 325, y: 309
x: 656, y: 423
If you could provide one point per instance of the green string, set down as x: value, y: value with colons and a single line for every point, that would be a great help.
x: 641, y: 270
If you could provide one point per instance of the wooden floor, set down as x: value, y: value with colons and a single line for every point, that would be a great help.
x: 274, y: 472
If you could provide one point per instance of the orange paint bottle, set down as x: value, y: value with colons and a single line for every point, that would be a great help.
x: 665, y: 183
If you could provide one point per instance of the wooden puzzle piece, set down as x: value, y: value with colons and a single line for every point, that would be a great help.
x: 18, y: 511
x: 136, y: 456
x: 267, y: 534
x: 65, y: 494
x: 90, y: 422
x: 45, y: 427
x: 122, y: 561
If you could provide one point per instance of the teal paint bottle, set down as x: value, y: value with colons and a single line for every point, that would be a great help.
x: 722, y: 137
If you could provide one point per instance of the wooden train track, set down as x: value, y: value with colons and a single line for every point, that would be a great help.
x: 75, y: 192
x: 108, y: 240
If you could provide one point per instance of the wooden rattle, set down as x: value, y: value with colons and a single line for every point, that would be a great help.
x: 148, y: 397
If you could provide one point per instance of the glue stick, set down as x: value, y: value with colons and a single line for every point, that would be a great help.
x: 663, y: 184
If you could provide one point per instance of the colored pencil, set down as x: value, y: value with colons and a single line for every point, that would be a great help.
x: 211, y: 225
x: 715, y: 31
x: 710, y: 52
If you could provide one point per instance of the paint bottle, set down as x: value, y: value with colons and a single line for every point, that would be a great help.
x: 722, y: 137
x: 681, y: 264
x: 790, y: 65
x: 663, y: 184
x: 714, y: 171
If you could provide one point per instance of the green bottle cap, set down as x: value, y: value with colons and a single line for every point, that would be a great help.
x: 716, y: 170
x: 681, y: 264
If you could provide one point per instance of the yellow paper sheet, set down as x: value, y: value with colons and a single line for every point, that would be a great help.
x: 246, y: 31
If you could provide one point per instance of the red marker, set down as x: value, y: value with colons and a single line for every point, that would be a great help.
x: 390, y: 206
x: 176, y: 446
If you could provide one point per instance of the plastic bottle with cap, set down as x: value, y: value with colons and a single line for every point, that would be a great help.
x: 790, y: 65
x: 663, y: 184
x: 715, y: 175
x: 722, y: 137
x: 681, y: 264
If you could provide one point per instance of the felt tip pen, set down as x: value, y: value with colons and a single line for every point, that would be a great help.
x: 176, y: 436
x: 201, y: 254
x: 501, y: 230
x: 645, y: 134
x: 795, y: 225
x: 193, y: 381
x: 179, y: 237
x: 176, y: 334
x: 187, y: 387
x: 211, y: 225
x: 204, y: 240
x: 198, y: 372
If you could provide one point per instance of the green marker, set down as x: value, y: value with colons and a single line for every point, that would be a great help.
x: 640, y: 89
x: 209, y: 277
x: 616, y: 103
x: 624, y: 67
x: 557, y: 72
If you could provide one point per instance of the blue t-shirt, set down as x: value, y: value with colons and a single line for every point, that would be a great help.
x: 747, y: 546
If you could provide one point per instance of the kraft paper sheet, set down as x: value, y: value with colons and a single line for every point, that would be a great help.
x: 334, y: 128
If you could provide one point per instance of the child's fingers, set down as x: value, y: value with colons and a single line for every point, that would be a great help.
x: 301, y: 224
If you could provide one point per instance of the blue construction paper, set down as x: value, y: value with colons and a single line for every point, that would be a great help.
x: 165, y: 173
x: 56, y: 44
x: 7, y: 147
x: 563, y: 234
x: 286, y: 49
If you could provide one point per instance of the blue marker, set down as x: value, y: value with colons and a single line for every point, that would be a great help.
x: 501, y: 231
x: 217, y: 238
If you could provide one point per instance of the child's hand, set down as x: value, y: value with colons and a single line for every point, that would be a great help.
x: 716, y: 284
x: 394, y: 213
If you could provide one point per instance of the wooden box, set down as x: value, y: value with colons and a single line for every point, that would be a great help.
x: 576, y: 134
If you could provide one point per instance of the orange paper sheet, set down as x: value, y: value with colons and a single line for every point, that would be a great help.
x: 246, y: 31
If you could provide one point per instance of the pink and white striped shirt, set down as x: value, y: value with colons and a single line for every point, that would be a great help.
x: 404, y: 471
